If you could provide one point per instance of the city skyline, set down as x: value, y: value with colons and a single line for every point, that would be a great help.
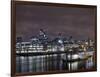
x: 76, y: 22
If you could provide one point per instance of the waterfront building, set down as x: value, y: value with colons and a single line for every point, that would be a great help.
x: 56, y: 54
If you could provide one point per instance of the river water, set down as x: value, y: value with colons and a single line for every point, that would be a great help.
x: 53, y: 62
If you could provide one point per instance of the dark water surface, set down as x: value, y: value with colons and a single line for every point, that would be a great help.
x: 53, y: 62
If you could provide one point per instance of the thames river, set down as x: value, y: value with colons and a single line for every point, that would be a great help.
x: 53, y: 62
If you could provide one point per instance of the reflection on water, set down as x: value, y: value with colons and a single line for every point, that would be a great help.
x: 53, y: 62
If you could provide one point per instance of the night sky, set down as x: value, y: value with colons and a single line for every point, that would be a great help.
x: 71, y: 21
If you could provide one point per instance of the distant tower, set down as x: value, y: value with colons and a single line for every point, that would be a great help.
x: 59, y: 35
x: 43, y: 38
x: 41, y: 32
x: 90, y: 42
x: 60, y: 42
x: 42, y: 35
x: 71, y: 39
x: 60, y: 38
x: 18, y: 39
